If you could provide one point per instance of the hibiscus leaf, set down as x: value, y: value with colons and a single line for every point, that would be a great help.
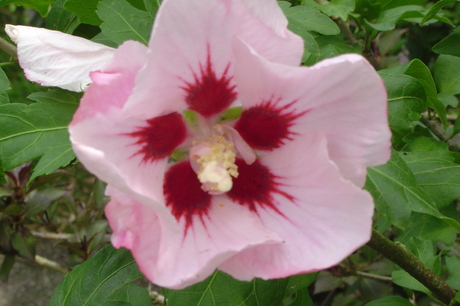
x: 129, y: 295
x: 450, y: 44
x: 406, y: 100
x: 122, y: 21
x: 86, y: 11
x: 38, y: 130
x: 41, y: 6
x: 390, y: 301
x: 435, y: 9
x: 2, y: 174
x: 60, y: 19
x: 222, y: 289
x: 396, y: 193
x: 99, y: 280
x: 437, y: 173
x: 4, y: 86
x: 446, y: 74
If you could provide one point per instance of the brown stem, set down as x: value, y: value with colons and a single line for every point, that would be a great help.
x: 400, y: 255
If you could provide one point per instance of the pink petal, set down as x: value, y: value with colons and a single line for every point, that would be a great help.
x: 53, y: 58
x: 123, y: 152
x: 191, y: 62
x: 327, y: 219
x: 342, y: 97
x: 171, y: 259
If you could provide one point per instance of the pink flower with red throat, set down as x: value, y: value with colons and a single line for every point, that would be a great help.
x: 273, y: 192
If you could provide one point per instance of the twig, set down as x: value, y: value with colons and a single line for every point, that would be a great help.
x: 374, y: 276
x: 42, y: 261
x: 8, y: 47
x: 52, y: 235
x: 435, y: 126
x: 400, y: 255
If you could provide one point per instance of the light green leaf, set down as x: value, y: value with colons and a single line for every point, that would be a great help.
x: 390, y: 301
x: 60, y: 19
x: 38, y: 130
x: 222, y: 289
x: 340, y: 8
x: 85, y: 10
x: 152, y: 6
x: 396, y: 193
x: 98, y: 279
x: 406, y: 100
x: 122, y: 21
x: 129, y: 295
x: 453, y: 267
x: 310, y: 19
x: 446, y: 74
x: 435, y: 9
x: 449, y: 45
x: 389, y: 18
x: 436, y: 172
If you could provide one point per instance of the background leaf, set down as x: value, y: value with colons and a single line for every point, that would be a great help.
x: 37, y: 130
x: 222, y: 289
x: 99, y: 280
x: 86, y: 11
x: 447, y: 75
x: 450, y: 44
x: 122, y: 21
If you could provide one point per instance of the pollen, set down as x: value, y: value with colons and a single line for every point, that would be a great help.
x: 214, y: 158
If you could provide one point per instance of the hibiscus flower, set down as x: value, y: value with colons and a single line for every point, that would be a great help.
x: 220, y: 152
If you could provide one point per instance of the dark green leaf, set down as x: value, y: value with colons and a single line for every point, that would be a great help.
x: 449, y: 45
x: 446, y: 74
x: 299, y: 282
x: 435, y: 9
x: 37, y: 130
x: 389, y: 18
x: 436, y: 172
x: 39, y: 201
x: 310, y: 19
x: 4, y: 86
x: 96, y: 280
x: 122, y: 21
x: 24, y: 243
x: 390, y: 301
x: 85, y: 10
x: 152, y: 6
x: 457, y: 126
x: 60, y: 19
x: 129, y: 295
x: 406, y: 100
x: 2, y: 174
x: 7, y: 265
x: 221, y: 289
x: 41, y: 6
x: 396, y: 193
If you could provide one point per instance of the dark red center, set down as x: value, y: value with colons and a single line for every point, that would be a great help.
x: 266, y: 126
x: 183, y: 193
x: 209, y: 94
x: 160, y: 137
x: 256, y: 186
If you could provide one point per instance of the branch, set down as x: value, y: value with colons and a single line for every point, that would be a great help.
x: 42, y: 261
x: 435, y: 126
x: 400, y: 255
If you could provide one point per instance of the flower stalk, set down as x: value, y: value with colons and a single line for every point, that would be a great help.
x: 400, y: 255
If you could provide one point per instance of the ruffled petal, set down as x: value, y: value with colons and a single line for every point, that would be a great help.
x: 169, y: 257
x: 321, y: 217
x: 53, y: 58
x: 337, y: 96
x: 191, y: 63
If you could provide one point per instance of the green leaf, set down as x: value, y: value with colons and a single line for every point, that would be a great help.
x: 24, y: 243
x: 437, y: 173
x: 396, y: 193
x: 85, y: 10
x: 448, y: 99
x: 453, y: 267
x: 435, y: 9
x: 418, y: 70
x: 2, y: 174
x: 446, y: 74
x: 222, y: 289
x: 98, y: 279
x: 122, y: 21
x: 7, y: 265
x: 41, y: 6
x: 390, y: 301
x: 4, y: 86
x: 152, y: 6
x: 449, y: 45
x: 309, y: 18
x: 406, y: 100
x: 389, y: 18
x: 39, y: 201
x: 38, y: 130
x: 129, y: 295
x: 60, y: 19
x: 340, y: 8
